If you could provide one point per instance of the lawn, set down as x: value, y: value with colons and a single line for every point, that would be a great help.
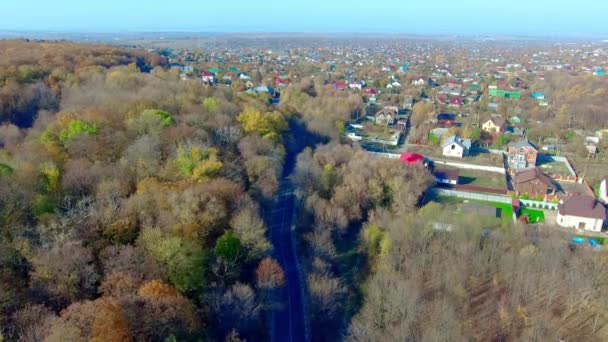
x: 506, y: 211
x: 452, y: 206
x: 371, y: 130
x: 483, y: 179
x: 555, y: 167
x: 534, y: 216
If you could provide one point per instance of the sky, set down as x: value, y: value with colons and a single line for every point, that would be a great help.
x: 466, y: 17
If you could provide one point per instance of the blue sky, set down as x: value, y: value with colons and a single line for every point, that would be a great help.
x: 526, y: 17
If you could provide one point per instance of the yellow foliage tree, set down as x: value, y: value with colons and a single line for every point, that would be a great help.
x: 197, y: 162
x: 50, y: 173
x: 269, y: 125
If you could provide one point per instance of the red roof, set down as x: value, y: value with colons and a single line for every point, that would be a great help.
x: 456, y: 100
x: 442, y: 98
x: 340, y: 85
x: 412, y: 158
x: 206, y: 73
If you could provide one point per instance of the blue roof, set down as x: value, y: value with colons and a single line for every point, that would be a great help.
x: 538, y: 94
x: 456, y: 139
x: 446, y: 116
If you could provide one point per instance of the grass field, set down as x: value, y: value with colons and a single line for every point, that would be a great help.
x: 534, y: 216
x: 484, y: 179
x: 506, y: 211
x: 555, y: 167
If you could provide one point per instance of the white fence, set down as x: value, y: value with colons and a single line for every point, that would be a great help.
x: 565, y: 161
x: 471, y: 166
x: 491, y: 198
x: 559, y: 159
x: 469, y: 195
x: 386, y: 155
x: 539, y: 204
x: 449, y: 163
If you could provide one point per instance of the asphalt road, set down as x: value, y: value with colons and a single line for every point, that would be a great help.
x: 288, y: 319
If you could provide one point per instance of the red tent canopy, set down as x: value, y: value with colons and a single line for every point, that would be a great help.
x: 412, y: 158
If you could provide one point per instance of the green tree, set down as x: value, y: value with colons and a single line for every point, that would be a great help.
x: 150, y: 121
x: 5, y: 170
x: 76, y: 128
x: 43, y: 205
x: 476, y: 134
x: 228, y: 247
x: 183, y: 261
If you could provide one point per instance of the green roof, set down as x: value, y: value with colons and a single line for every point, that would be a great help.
x: 505, y: 94
x: 233, y: 69
x: 214, y: 70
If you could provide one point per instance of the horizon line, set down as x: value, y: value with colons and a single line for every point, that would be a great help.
x: 309, y: 33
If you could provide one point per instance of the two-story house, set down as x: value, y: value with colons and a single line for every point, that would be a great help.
x: 386, y: 116
x: 496, y: 124
x: 521, y: 155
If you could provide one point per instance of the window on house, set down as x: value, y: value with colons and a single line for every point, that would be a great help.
x: 581, y: 225
x: 453, y: 147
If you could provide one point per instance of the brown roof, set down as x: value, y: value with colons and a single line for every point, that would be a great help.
x: 583, y: 206
x: 498, y: 120
x: 451, y: 174
x: 530, y: 175
x: 386, y: 111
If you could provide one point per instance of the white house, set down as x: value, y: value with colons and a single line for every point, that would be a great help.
x: 454, y: 146
x: 207, y: 77
x: 418, y: 82
x: 604, y: 191
x: 581, y: 212
x: 355, y: 85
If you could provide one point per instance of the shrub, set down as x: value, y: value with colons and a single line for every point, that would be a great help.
x: 43, y: 205
x: 5, y: 170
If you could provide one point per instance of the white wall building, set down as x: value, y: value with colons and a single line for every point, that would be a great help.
x: 604, y: 191
x: 456, y: 147
x: 581, y: 212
